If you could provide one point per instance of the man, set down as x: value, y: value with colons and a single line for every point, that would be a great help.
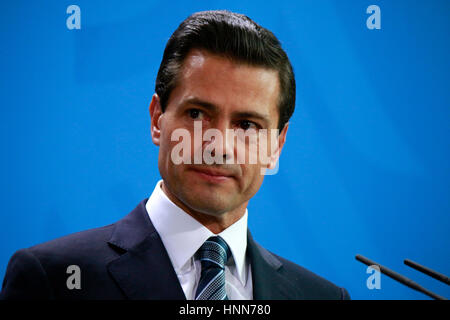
x: 223, y: 73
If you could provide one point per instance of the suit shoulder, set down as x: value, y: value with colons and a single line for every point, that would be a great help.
x: 41, y: 271
x: 316, y: 286
x: 25, y: 278
x: 82, y: 244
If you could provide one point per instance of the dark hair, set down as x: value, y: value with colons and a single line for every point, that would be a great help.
x: 234, y: 36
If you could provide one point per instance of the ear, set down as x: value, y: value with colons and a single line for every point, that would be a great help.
x: 155, y: 117
x: 279, y: 146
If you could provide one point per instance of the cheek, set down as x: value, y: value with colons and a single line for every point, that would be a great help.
x: 267, y: 143
x: 165, y: 150
x: 252, y: 179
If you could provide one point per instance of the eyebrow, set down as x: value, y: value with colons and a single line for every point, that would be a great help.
x: 238, y: 114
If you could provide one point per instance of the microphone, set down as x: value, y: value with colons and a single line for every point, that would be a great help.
x: 398, y: 277
x: 434, y: 274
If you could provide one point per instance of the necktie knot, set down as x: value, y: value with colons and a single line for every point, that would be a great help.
x: 213, y: 255
x: 214, y: 251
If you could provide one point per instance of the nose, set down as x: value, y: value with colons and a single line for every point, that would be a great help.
x: 219, y: 144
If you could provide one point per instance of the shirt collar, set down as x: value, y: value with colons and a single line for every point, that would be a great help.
x: 182, y: 235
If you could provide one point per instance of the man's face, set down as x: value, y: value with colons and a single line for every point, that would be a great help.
x: 219, y: 94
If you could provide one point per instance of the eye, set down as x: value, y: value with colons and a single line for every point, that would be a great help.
x: 194, y: 113
x: 246, y: 124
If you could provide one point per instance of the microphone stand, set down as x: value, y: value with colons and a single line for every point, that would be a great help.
x: 404, y: 280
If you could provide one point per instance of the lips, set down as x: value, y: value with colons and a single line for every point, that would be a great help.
x: 214, y: 172
x: 214, y: 175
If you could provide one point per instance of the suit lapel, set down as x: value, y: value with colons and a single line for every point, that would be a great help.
x: 143, y: 270
x: 268, y: 280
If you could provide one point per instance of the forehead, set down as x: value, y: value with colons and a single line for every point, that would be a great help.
x: 228, y: 84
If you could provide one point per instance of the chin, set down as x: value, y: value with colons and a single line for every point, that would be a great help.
x: 214, y: 206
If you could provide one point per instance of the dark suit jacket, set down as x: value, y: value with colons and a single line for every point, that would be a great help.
x: 127, y: 260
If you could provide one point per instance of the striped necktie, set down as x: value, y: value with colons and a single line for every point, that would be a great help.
x: 213, y: 255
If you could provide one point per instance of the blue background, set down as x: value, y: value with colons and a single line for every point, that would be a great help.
x: 365, y: 169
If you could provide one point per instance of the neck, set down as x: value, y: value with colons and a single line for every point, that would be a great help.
x: 215, y: 223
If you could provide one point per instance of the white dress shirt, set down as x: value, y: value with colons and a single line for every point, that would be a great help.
x: 182, y: 236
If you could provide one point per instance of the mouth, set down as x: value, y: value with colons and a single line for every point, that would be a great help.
x: 213, y: 175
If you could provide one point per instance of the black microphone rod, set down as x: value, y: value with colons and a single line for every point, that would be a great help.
x: 398, y: 277
x: 434, y: 274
